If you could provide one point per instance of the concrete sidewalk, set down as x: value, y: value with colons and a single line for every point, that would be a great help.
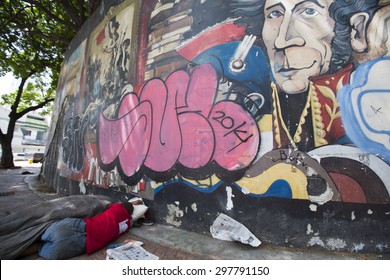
x: 20, y: 187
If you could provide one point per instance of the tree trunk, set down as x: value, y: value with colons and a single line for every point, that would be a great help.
x: 7, y: 158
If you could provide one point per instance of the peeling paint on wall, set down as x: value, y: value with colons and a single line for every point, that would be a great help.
x: 229, y: 203
x: 313, y: 207
x: 174, y: 215
x: 358, y: 247
x: 323, y: 198
x: 194, y: 207
x: 309, y: 229
x: 335, y: 243
x: 382, y: 247
x: 315, y: 240
x: 82, y: 186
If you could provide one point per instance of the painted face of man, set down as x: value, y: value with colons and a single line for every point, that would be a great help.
x: 298, y: 35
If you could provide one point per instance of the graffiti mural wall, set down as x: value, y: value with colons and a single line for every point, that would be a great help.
x: 274, y: 112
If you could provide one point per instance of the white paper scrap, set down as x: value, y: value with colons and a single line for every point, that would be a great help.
x: 228, y: 229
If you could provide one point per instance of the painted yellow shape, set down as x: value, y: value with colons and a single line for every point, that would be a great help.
x: 265, y: 123
x: 261, y: 183
x: 281, y: 171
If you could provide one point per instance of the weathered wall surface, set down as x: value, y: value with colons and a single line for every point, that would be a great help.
x: 275, y: 113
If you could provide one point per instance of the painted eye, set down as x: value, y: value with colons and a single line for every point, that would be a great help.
x: 310, y: 12
x: 275, y: 14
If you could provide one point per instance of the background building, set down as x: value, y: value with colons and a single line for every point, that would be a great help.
x: 30, y: 133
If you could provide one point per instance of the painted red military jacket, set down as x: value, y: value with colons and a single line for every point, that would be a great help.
x: 325, y: 112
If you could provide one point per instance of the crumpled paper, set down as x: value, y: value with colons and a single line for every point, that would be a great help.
x: 228, y: 229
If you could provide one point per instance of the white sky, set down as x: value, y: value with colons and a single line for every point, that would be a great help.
x: 8, y: 83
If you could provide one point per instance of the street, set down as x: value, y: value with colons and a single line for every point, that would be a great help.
x: 13, y: 186
x: 28, y: 165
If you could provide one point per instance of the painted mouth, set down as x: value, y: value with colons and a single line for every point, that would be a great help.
x: 292, y: 70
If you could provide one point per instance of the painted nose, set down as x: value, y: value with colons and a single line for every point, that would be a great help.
x: 288, y: 36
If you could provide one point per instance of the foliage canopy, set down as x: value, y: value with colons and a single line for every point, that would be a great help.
x: 34, y: 35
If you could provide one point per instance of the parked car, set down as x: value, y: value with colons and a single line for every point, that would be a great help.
x: 38, y: 157
x: 20, y: 156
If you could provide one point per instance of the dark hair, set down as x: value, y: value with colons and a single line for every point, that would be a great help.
x: 252, y: 10
x: 341, y: 11
x: 252, y: 15
x: 128, y: 206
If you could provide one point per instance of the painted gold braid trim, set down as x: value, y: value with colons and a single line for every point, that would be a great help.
x: 277, y: 114
x: 318, y: 124
x: 275, y: 99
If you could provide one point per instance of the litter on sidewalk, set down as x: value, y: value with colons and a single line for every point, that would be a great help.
x: 228, y: 229
x: 130, y: 251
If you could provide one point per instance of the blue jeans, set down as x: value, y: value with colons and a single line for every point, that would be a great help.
x: 63, y: 239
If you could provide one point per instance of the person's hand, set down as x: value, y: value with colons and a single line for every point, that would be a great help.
x: 137, y: 202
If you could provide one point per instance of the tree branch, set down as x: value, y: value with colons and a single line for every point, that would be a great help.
x: 15, y: 105
x: 36, y: 107
x: 72, y: 12
x: 47, y: 11
x: 50, y: 38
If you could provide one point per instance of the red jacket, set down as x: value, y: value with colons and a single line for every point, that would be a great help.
x: 326, y: 124
x: 105, y: 227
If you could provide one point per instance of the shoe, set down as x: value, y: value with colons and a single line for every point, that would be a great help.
x: 146, y: 220
x: 136, y: 224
